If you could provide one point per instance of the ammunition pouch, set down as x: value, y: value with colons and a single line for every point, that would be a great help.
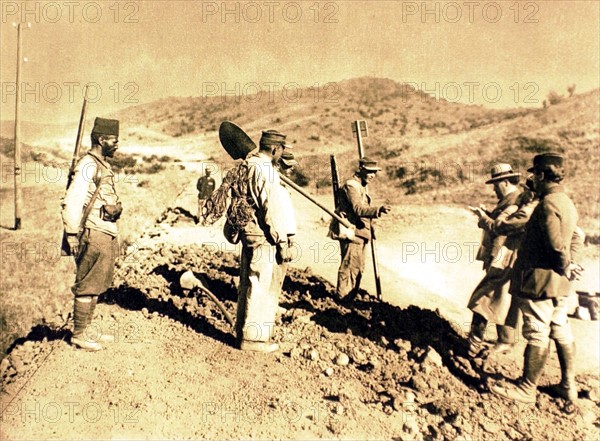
x: 111, y: 212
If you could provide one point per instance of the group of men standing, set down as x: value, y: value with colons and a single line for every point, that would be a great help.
x: 267, y: 238
x: 528, y: 251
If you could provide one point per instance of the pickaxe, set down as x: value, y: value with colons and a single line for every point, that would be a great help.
x: 189, y: 281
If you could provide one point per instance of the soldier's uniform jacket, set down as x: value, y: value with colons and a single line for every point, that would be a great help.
x: 355, y: 203
x: 263, y: 188
x: 492, y: 243
x: 80, y: 193
x: 546, y: 249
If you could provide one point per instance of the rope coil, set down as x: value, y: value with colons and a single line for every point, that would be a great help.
x: 239, y: 212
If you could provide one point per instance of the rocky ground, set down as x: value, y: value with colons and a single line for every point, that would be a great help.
x: 360, y: 370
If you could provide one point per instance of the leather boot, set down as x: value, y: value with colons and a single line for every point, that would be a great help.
x: 524, y: 392
x: 81, y: 317
x: 567, y: 388
x: 95, y: 332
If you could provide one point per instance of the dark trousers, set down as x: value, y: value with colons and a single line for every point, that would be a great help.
x: 95, y: 263
x: 351, y: 267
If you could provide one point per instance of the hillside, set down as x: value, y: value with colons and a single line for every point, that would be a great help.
x: 432, y: 150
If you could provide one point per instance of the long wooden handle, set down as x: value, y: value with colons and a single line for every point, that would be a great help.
x: 293, y: 185
x: 211, y: 296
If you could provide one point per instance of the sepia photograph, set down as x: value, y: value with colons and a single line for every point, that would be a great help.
x: 300, y: 220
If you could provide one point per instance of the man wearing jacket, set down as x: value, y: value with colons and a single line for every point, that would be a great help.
x: 541, y: 281
x: 264, y: 249
x: 93, y: 240
x: 355, y: 204
x: 490, y: 301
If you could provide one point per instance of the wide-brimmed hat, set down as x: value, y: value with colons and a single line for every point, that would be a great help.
x: 368, y: 164
x: 272, y: 137
x: 104, y: 126
x: 235, y: 141
x: 543, y: 161
x: 501, y: 171
x: 287, y: 160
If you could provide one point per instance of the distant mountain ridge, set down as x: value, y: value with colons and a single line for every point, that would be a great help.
x: 430, y: 149
x: 392, y: 108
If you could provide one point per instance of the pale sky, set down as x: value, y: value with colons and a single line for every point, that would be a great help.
x: 499, y: 54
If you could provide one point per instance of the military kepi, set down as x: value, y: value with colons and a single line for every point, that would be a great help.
x: 543, y: 161
x: 271, y: 137
x: 368, y: 164
x: 103, y: 126
x: 288, y: 160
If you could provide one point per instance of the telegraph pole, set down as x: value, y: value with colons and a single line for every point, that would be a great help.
x: 18, y: 195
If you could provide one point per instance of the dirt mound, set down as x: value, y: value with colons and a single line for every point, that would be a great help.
x: 360, y: 369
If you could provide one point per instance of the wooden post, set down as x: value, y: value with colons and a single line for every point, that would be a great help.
x: 358, y: 127
x: 17, y: 137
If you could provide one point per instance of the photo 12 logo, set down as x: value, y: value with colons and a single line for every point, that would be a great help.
x: 472, y: 92
x: 469, y: 12
x: 269, y: 12
x: 58, y: 413
x: 70, y: 12
x: 271, y: 91
x: 69, y: 91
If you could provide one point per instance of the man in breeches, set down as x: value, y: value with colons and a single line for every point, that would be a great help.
x: 90, y: 211
x: 541, y: 281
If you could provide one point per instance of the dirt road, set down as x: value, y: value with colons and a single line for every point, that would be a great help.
x: 375, y: 370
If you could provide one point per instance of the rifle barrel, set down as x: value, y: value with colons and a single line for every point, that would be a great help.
x: 79, y: 137
x: 335, y: 181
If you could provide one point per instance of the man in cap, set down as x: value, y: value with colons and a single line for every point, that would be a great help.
x: 491, y: 301
x: 205, y: 187
x: 355, y: 204
x: 264, y: 249
x: 90, y: 211
x: 541, y: 282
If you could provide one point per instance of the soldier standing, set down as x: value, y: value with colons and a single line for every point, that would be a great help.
x: 355, y: 204
x: 264, y: 249
x: 490, y: 301
x: 205, y: 187
x: 90, y: 211
x: 541, y: 282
